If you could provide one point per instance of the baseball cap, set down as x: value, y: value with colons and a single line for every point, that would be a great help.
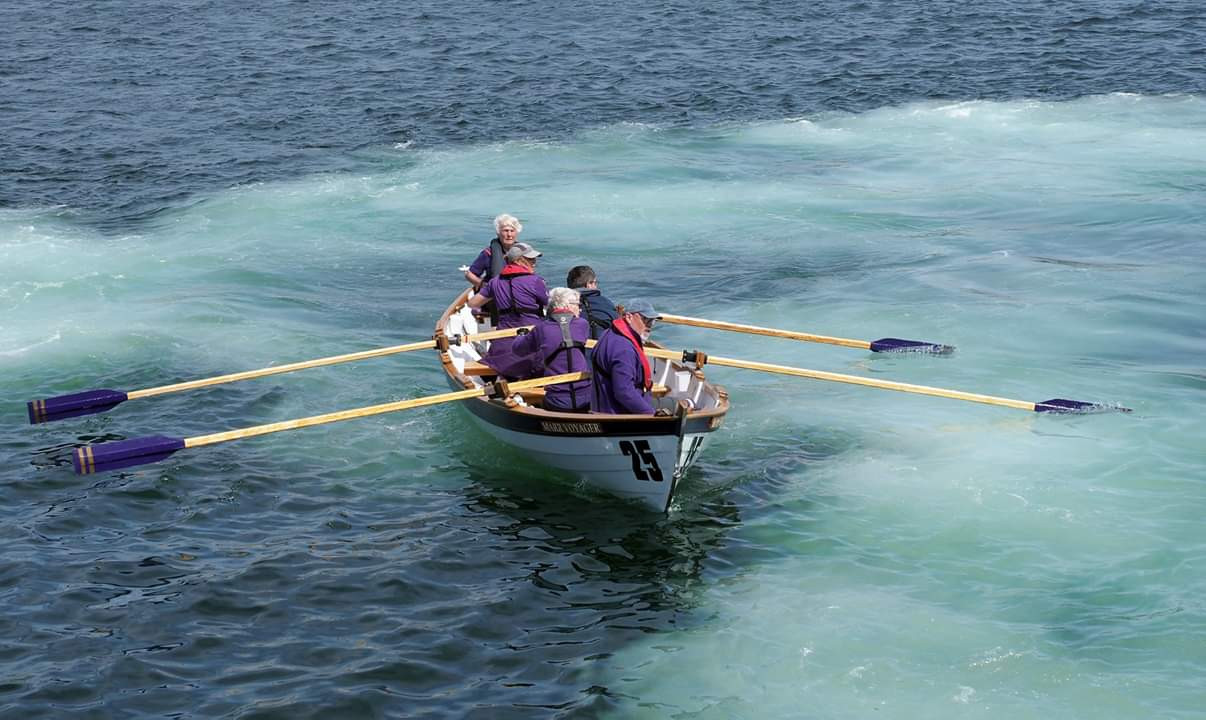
x: 644, y: 308
x: 519, y: 250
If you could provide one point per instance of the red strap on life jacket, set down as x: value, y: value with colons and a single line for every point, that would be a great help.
x: 622, y: 327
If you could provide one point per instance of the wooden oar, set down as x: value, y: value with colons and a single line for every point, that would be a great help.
x: 1056, y: 405
x: 881, y: 345
x: 153, y: 448
x: 97, y: 401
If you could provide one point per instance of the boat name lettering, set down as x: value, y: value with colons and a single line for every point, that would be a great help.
x: 574, y: 428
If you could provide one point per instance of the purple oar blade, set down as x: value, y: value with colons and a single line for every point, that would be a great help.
x: 1059, y: 405
x: 898, y: 345
x: 65, y: 406
x: 124, y: 453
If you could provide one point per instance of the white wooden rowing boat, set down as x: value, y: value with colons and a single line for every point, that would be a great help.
x: 637, y: 457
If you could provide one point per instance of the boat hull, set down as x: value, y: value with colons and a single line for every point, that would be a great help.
x: 635, y: 457
x: 642, y: 468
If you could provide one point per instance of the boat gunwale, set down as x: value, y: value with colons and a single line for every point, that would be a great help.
x: 695, y: 422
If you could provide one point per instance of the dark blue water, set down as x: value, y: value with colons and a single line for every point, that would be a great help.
x: 118, y: 110
x: 195, y: 188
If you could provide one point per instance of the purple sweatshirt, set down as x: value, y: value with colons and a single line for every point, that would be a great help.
x: 520, y: 296
x: 484, y: 262
x: 619, y: 378
x: 535, y: 349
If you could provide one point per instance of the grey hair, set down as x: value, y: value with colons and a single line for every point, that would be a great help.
x: 560, y: 297
x: 506, y: 219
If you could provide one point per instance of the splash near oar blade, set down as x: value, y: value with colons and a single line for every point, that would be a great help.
x: 73, y: 405
x: 898, y: 345
x: 124, y: 453
x: 1059, y: 405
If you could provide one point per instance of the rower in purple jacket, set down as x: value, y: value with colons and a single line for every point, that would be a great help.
x: 519, y: 295
x: 623, y: 377
x: 554, y: 347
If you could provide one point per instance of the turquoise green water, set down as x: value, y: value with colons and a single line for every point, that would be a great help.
x: 839, y: 551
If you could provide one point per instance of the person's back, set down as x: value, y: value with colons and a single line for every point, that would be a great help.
x: 555, y: 346
x: 518, y: 293
x: 621, y: 379
x: 548, y: 338
x: 597, y: 309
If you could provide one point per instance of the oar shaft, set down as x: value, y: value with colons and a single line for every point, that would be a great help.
x: 869, y: 382
x: 771, y: 332
x: 298, y: 423
x: 212, y: 438
x: 141, y: 451
x: 882, y: 345
x: 278, y: 369
x: 305, y: 365
x: 853, y: 380
x: 98, y: 401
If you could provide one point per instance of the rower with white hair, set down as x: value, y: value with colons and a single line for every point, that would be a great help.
x: 556, y: 345
x: 489, y: 262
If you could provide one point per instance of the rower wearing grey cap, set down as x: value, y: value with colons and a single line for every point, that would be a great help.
x: 519, y: 295
x: 622, y: 375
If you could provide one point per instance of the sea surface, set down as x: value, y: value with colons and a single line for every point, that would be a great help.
x: 189, y: 189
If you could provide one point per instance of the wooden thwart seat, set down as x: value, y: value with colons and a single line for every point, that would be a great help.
x: 534, y: 396
x: 478, y: 369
